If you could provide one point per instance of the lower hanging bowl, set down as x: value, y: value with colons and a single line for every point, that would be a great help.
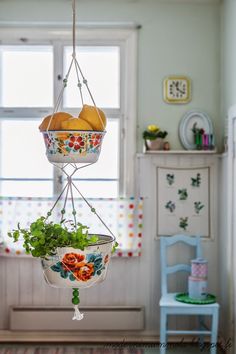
x: 73, y: 146
x: 73, y: 268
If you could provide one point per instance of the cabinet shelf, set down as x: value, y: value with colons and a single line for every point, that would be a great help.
x: 183, y: 152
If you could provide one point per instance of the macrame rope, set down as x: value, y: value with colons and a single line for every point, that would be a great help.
x: 93, y: 210
x: 73, y: 29
x: 85, y: 82
x: 79, y: 84
x: 77, y: 314
x: 72, y: 202
x: 50, y: 212
x: 60, y: 95
x: 65, y: 201
x: 69, y: 185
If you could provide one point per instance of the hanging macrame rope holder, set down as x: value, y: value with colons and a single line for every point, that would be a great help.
x: 69, y: 165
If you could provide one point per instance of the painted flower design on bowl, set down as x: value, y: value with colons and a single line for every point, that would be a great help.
x: 61, y: 146
x: 78, y: 267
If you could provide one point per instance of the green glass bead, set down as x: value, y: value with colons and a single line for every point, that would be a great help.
x: 75, y: 301
x: 93, y: 210
x: 63, y: 211
x: 73, y: 212
x: 76, y: 293
x: 49, y: 213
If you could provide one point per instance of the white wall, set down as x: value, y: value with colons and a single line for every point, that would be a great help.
x: 228, y: 59
x: 228, y: 98
x: 225, y: 252
x: 179, y: 37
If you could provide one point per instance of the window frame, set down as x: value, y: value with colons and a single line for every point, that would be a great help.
x: 58, y: 37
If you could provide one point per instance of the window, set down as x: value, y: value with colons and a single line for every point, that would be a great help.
x: 30, y: 80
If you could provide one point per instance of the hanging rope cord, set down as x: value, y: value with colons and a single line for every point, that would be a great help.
x: 79, y: 74
x: 68, y: 187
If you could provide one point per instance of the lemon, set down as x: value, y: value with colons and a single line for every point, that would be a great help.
x: 94, y: 116
x: 75, y: 124
x: 56, y: 121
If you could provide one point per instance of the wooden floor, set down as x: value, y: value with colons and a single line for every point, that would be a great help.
x: 101, y: 349
x: 148, y: 343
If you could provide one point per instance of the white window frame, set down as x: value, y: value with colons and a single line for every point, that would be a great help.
x: 126, y: 39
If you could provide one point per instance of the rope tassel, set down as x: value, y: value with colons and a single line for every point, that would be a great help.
x: 75, y: 300
x: 77, y: 314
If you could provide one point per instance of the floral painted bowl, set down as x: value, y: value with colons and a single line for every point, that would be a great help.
x: 73, y: 268
x: 73, y: 145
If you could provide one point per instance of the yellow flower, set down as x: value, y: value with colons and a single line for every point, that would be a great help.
x: 153, y: 128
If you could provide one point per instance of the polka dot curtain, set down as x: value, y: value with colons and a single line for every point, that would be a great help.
x: 124, y: 216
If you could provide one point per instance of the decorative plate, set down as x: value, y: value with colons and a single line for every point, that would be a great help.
x: 184, y: 297
x: 186, y: 135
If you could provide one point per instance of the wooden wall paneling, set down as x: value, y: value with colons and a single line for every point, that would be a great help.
x: 224, y: 252
x: 25, y: 281
x: 52, y: 296
x: 38, y: 283
x: 3, y: 294
x: 150, y: 257
x: 65, y: 297
x: 12, y: 280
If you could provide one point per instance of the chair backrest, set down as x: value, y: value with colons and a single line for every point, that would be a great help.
x: 169, y: 241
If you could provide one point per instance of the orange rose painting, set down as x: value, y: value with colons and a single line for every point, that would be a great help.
x: 84, y: 273
x: 76, y: 267
x: 72, y: 261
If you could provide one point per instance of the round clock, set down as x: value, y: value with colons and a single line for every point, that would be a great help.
x: 177, y: 89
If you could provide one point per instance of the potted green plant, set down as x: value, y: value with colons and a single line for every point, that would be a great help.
x: 154, y: 137
x: 71, y: 257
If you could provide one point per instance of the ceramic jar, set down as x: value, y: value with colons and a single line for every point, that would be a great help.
x: 156, y: 144
x: 197, y: 282
x: 199, y: 268
x: 197, y: 288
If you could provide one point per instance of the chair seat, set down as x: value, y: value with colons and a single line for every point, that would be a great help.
x: 168, y: 300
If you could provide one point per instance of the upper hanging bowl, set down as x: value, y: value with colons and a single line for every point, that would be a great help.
x: 73, y: 146
x: 71, y: 139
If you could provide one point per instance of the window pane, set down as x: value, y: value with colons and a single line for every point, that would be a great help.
x: 101, y: 67
x: 26, y: 188
x: 107, y: 165
x: 22, y: 153
x: 97, y: 189
x: 26, y: 76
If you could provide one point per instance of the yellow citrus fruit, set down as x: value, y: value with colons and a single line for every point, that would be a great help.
x: 56, y: 121
x: 75, y: 124
x: 90, y: 114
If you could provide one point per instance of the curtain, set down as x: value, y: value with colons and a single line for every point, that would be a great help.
x: 123, y: 216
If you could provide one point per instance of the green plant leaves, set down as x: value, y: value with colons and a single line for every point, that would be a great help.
x: 43, y: 238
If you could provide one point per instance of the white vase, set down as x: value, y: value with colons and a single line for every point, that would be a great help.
x: 156, y: 144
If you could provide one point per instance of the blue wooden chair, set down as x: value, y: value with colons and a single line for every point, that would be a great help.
x: 168, y: 304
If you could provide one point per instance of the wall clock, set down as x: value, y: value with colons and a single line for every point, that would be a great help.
x: 177, y: 89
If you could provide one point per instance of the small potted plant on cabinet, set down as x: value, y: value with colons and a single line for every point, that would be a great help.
x: 154, y: 137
